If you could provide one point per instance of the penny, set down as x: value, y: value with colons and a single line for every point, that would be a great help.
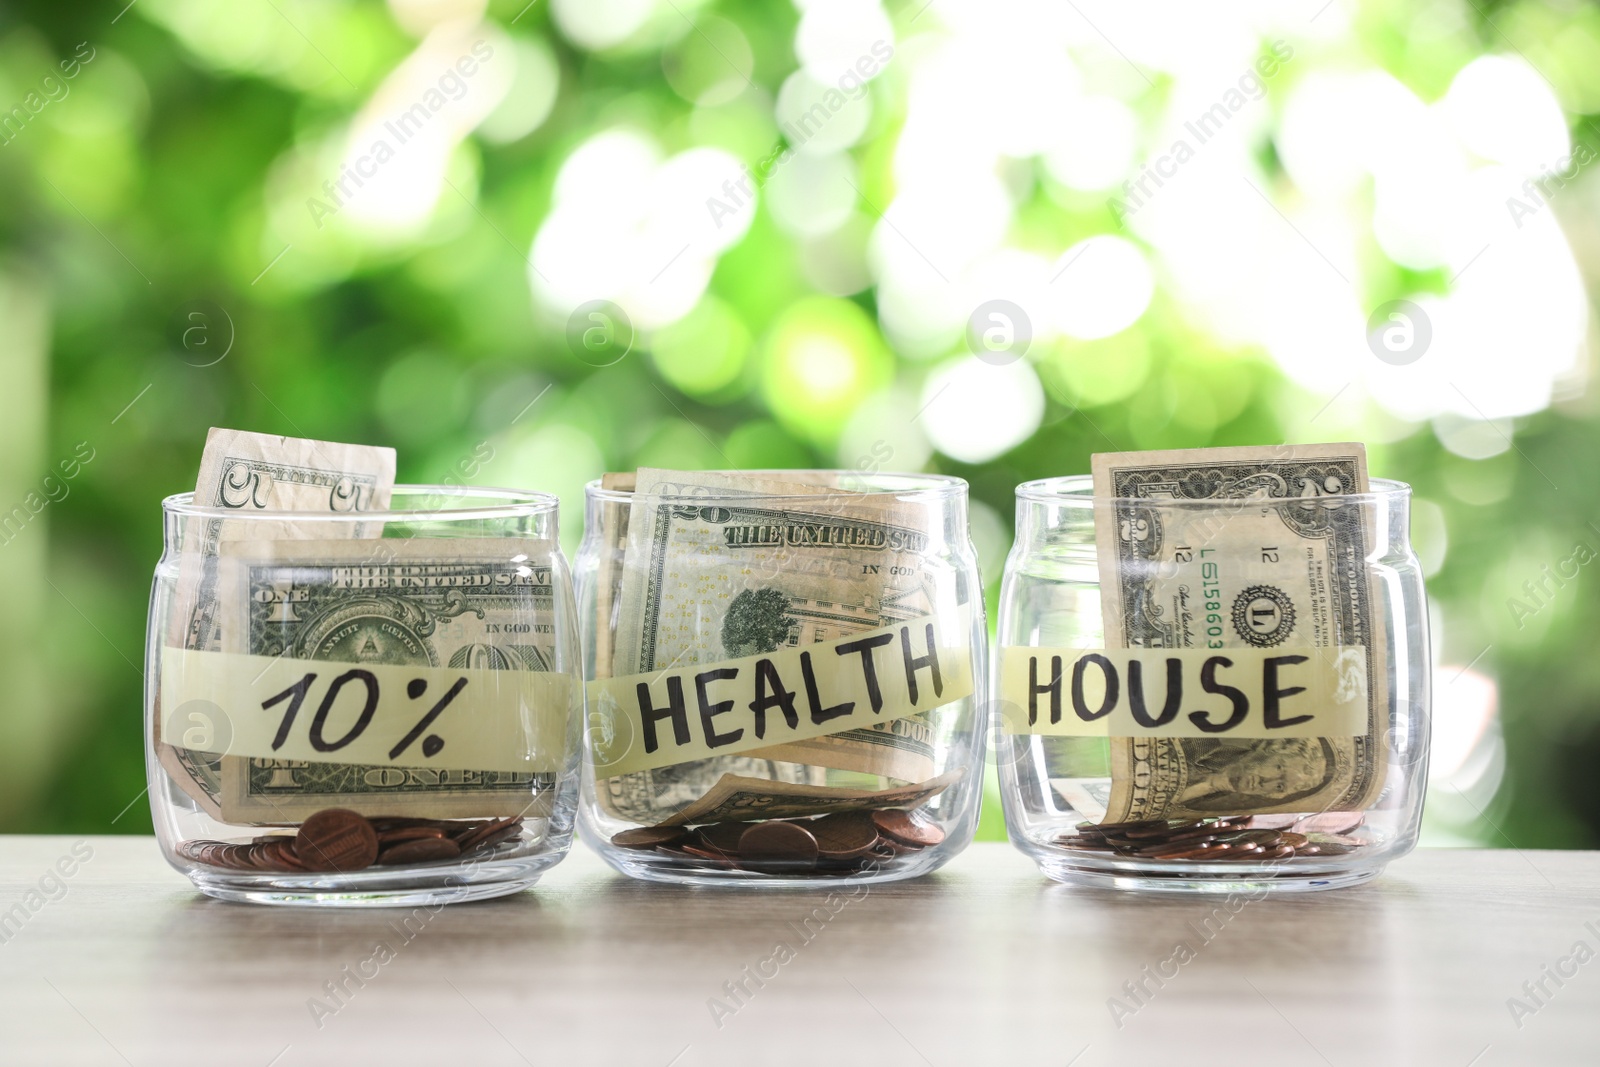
x: 709, y: 855
x: 1204, y: 832
x: 779, y: 846
x: 1246, y: 851
x: 383, y: 823
x: 649, y: 837
x: 722, y: 836
x: 1123, y: 827
x: 1156, y: 831
x: 282, y: 852
x: 233, y: 856
x: 904, y: 828
x: 336, y: 839
x: 482, y: 831
x: 407, y: 833
x: 1083, y: 846
x: 844, y: 836
x: 421, y: 850
x: 505, y: 833
x: 888, y: 847
x: 1293, y: 840
x: 1264, y: 838
x: 1207, y: 851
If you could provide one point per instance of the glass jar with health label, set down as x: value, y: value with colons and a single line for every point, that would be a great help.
x: 366, y: 702
x: 782, y: 675
x: 1213, y: 672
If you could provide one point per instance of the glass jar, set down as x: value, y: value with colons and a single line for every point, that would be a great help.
x: 1270, y: 729
x: 365, y: 707
x: 782, y: 671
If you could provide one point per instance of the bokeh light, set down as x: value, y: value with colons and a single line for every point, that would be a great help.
x: 1201, y: 213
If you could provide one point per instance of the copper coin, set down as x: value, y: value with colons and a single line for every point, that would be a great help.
x: 1161, y: 830
x: 1244, y: 851
x: 505, y: 833
x: 231, y: 856
x: 1330, y: 822
x: 382, y: 823
x: 460, y: 831
x: 421, y: 850
x: 407, y: 833
x: 904, y: 828
x: 1210, y: 850
x: 1326, y: 848
x: 282, y: 852
x: 722, y: 836
x: 648, y: 837
x: 493, y: 826
x: 844, y: 835
x: 1264, y: 838
x: 714, y: 857
x: 1193, y: 834
x: 1292, y: 839
x: 1123, y: 827
x: 888, y: 847
x: 1080, y: 845
x: 336, y: 839
x: 778, y: 846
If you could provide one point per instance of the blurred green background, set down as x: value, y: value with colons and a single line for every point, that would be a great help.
x: 1197, y: 216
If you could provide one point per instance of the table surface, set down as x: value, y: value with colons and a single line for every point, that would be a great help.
x: 985, y: 961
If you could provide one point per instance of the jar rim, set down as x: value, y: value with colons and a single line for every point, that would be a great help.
x: 488, y: 502
x: 1077, y: 490
x: 901, y: 485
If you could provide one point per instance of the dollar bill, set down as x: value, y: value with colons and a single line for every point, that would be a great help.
x: 251, y: 473
x: 437, y: 602
x: 736, y: 799
x: 1277, y: 560
x: 703, y: 583
x: 613, y: 536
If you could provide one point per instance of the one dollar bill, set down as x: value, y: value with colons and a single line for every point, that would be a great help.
x: 1277, y: 560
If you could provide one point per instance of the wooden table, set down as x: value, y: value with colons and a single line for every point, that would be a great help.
x: 983, y: 963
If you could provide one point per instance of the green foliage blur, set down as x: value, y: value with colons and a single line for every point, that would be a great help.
x: 173, y: 179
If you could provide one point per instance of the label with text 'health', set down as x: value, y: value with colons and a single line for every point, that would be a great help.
x: 320, y: 711
x: 1184, y: 692
x: 738, y: 706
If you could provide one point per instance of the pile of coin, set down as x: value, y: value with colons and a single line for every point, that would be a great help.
x: 339, y: 840
x: 840, y: 843
x: 1257, y: 838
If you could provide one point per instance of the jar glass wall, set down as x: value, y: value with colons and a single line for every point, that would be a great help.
x: 375, y: 707
x: 784, y: 666
x: 1244, y: 744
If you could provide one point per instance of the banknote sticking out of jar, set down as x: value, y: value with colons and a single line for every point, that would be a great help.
x: 1213, y: 671
x: 359, y: 692
x: 782, y: 674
